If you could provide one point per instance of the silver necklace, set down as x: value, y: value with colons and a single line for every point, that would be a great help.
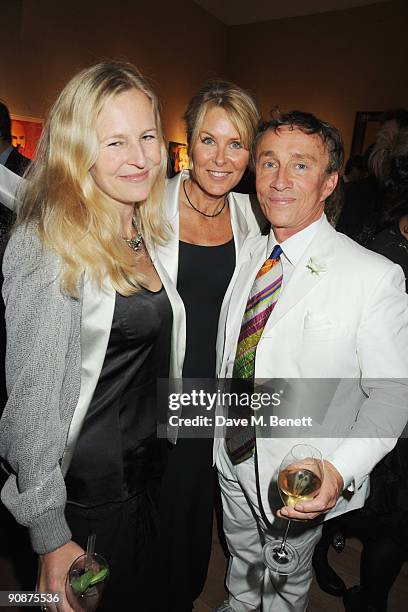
x: 136, y: 242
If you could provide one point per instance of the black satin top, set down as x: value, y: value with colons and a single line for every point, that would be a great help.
x: 204, y: 273
x: 118, y: 453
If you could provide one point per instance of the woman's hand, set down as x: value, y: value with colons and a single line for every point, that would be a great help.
x: 53, y: 569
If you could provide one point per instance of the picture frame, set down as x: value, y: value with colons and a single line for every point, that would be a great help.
x: 178, y: 158
x: 25, y: 133
x: 366, y: 125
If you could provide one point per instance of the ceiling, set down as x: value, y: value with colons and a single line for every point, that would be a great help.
x: 236, y: 12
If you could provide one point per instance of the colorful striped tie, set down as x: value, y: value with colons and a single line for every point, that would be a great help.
x: 240, y: 439
x: 262, y: 300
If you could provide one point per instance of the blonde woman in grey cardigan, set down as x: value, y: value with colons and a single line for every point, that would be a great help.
x: 89, y: 314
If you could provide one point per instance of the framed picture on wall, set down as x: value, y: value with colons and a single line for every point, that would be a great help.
x: 178, y: 158
x: 366, y: 125
x: 25, y: 134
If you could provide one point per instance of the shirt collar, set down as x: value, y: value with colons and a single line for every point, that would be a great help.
x: 294, y: 247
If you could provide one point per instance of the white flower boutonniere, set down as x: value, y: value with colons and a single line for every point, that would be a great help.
x: 315, y: 266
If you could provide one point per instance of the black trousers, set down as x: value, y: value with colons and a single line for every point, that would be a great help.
x: 384, y: 553
x: 186, y: 515
x: 127, y: 537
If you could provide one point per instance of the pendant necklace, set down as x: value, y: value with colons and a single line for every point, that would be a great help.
x: 136, y: 242
x: 200, y: 211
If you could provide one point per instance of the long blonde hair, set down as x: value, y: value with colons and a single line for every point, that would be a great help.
x: 73, y: 216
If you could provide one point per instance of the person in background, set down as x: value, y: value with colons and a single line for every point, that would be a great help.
x: 11, y: 159
x: 382, y: 524
x: 361, y: 213
x: 354, y: 169
x: 209, y: 226
x: 393, y: 240
x: 89, y: 312
x: 9, y: 155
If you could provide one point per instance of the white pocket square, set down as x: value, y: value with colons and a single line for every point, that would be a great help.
x: 316, y: 322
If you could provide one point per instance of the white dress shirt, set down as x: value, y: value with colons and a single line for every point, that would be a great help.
x: 293, y: 248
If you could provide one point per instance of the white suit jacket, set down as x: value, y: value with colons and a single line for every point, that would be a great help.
x: 9, y: 183
x: 350, y: 321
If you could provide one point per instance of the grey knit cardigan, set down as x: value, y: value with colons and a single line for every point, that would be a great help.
x: 43, y: 373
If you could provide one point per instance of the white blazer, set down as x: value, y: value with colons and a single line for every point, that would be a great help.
x: 350, y: 321
x: 9, y: 183
x: 96, y: 322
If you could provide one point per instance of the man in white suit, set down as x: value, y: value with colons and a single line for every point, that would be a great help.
x: 340, y: 312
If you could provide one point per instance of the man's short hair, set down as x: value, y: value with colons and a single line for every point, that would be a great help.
x: 5, y: 123
x: 309, y: 124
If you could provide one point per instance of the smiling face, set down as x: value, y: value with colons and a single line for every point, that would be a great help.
x: 219, y: 157
x: 291, y: 179
x: 129, y: 148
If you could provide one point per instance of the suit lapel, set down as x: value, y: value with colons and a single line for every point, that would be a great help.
x: 240, y: 232
x: 179, y: 319
x: 308, y: 273
x: 240, y: 229
x: 168, y: 252
x: 98, y: 306
x: 10, y: 183
x: 237, y: 295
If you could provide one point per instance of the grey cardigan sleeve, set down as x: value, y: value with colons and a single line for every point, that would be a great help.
x: 42, y: 370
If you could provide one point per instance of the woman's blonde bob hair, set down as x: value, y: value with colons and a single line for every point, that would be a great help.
x: 237, y: 103
x: 74, y: 217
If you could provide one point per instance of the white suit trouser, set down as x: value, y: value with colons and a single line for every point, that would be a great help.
x: 250, y: 585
